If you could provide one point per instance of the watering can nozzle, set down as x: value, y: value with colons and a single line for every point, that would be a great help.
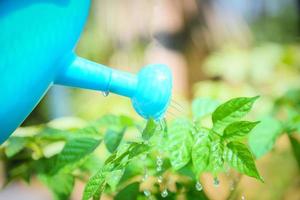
x: 149, y: 90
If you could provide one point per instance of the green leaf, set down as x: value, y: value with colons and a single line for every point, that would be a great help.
x: 149, y: 130
x: 262, y: 138
x: 137, y: 149
x: 201, y: 152
x: 61, y: 185
x: 237, y: 130
x: 231, y: 111
x: 216, y: 160
x: 296, y: 148
x: 180, y: 142
x: 95, y: 182
x: 74, y: 150
x: 15, y: 145
x: 203, y: 106
x: 240, y: 158
x: 114, y: 121
x: 130, y: 192
x: 293, y: 124
x: 113, y: 178
x: 112, y: 138
x: 99, y: 191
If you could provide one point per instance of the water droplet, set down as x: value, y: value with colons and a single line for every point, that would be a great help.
x: 243, y: 198
x: 105, y: 93
x: 159, y: 161
x: 164, y: 193
x: 147, y: 193
x: 216, y: 182
x: 158, y: 169
x: 160, y: 179
x: 232, y: 185
x: 145, y: 177
x: 198, y: 186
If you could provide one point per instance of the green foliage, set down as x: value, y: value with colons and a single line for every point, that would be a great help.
x: 74, y: 150
x: 239, y: 129
x: 180, y: 142
x: 203, y: 106
x: 149, y: 130
x: 284, y: 119
x: 14, y: 146
x: 60, y: 156
x: 217, y: 146
x: 201, y: 151
x: 231, y: 111
x: 113, y: 138
x: 130, y: 192
x: 264, y: 135
x: 60, y: 184
x: 240, y: 158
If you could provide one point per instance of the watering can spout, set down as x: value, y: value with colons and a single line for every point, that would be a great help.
x: 82, y: 73
x: 149, y: 90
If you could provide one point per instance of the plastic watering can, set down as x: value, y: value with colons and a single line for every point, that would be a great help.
x: 37, y: 39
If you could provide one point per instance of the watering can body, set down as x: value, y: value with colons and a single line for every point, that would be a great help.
x: 37, y: 38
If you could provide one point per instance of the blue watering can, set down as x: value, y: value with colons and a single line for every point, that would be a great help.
x: 37, y: 40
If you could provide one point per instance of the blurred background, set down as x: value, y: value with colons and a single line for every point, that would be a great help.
x: 215, y: 48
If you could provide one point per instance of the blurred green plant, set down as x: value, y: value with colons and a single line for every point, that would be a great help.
x: 185, y: 148
x: 283, y: 120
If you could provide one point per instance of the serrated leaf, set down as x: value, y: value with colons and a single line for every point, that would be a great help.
x: 262, y: 138
x: 98, y: 193
x: 231, y: 111
x: 203, y: 106
x: 15, y: 145
x: 113, y: 178
x: 240, y: 158
x: 149, y: 129
x: 137, y: 149
x: 239, y: 129
x: 93, y: 186
x: 180, y: 143
x: 74, y: 150
x: 216, y: 160
x: 130, y: 192
x: 112, y: 138
x: 201, y: 152
x: 61, y: 185
x: 207, y: 153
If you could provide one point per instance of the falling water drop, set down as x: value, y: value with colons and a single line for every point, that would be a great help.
x: 159, y: 161
x: 232, y: 185
x: 216, y: 182
x: 159, y: 179
x: 147, y: 193
x: 105, y: 93
x: 164, y: 193
x: 243, y: 198
x: 158, y: 168
x: 145, y: 177
x: 198, y: 186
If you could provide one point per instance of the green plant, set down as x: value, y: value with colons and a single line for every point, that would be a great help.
x: 284, y: 119
x: 135, y: 155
